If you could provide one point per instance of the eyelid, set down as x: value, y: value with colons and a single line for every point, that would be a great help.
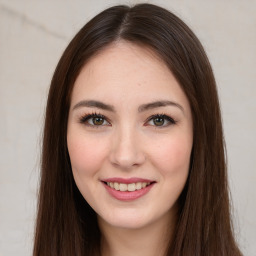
x: 84, y: 119
x: 171, y: 121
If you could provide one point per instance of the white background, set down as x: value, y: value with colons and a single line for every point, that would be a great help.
x: 33, y: 35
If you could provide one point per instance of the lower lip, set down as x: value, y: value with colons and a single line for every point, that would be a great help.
x: 128, y: 195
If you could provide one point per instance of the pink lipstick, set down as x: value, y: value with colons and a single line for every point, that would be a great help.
x: 127, y: 189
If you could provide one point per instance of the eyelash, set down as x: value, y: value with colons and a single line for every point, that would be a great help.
x: 170, y: 120
x: 85, y: 120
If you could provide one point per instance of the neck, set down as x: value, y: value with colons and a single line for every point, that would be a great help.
x: 150, y: 240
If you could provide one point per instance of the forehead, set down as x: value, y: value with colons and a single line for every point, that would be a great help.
x: 126, y: 71
x: 125, y: 58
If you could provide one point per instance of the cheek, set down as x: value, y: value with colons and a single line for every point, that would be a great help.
x: 172, y: 156
x: 86, y: 154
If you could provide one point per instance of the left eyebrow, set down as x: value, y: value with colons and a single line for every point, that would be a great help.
x: 157, y: 104
x: 94, y: 104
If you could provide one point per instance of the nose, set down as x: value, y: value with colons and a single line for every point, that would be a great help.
x: 127, y: 149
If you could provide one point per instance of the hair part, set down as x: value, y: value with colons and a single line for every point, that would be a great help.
x: 66, y: 224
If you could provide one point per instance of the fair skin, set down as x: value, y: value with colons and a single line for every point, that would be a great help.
x: 130, y: 137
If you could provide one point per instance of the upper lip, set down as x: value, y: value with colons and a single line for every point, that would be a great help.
x: 127, y: 181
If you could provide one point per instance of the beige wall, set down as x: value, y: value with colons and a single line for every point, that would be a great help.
x: 33, y: 35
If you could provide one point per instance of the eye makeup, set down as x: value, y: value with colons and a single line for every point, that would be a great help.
x: 160, y: 120
x: 98, y: 120
x: 94, y: 119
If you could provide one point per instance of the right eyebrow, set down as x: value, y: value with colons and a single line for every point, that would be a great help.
x: 94, y: 104
x: 158, y: 104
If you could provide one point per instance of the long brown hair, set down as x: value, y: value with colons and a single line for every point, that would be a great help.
x: 66, y: 224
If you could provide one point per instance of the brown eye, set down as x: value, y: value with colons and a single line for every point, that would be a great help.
x: 98, y: 120
x: 158, y: 121
x: 94, y: 120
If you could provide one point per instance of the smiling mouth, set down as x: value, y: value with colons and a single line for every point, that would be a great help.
x: 130, y: 187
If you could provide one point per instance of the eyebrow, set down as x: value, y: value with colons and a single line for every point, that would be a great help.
x: 94, y: 104
x: 157, y: 104
x: 142, y: 108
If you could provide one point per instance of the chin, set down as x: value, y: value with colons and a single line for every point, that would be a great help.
x: 128, y: 220
x: 124, y: 224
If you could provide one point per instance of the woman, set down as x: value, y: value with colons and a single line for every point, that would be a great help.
x: 133, y: 153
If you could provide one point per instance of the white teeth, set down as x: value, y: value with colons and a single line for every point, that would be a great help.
x: 128, y: 187
x: 138, y: 185
x: 116, y: 186
x: 144, y: 184
x: 123, y: 187
x: 131, y: 187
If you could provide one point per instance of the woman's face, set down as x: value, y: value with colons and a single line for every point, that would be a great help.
x: 129, y: 136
